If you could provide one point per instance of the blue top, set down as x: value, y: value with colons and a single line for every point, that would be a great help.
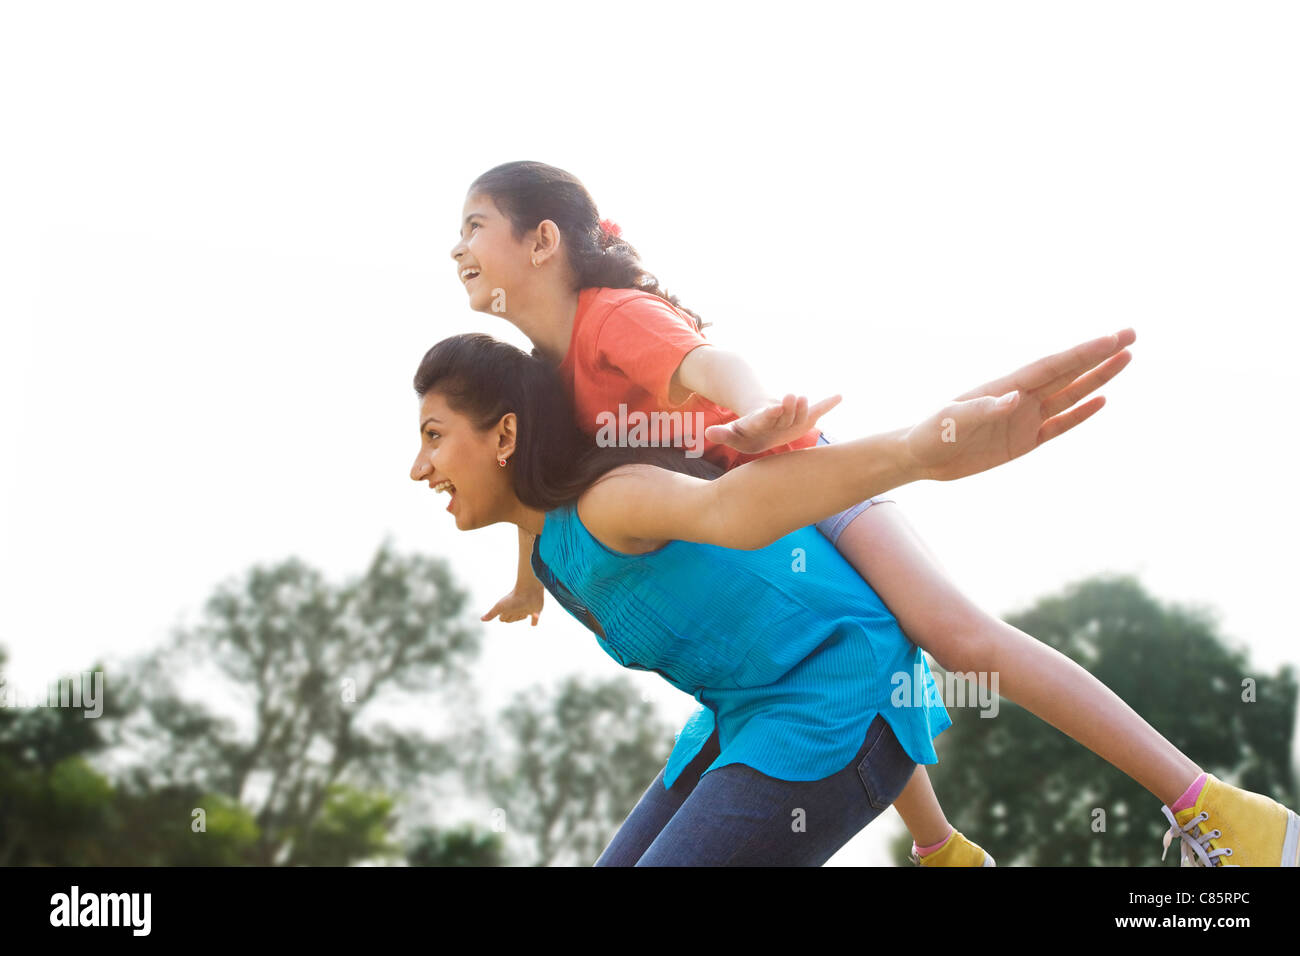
x: 788, y: 650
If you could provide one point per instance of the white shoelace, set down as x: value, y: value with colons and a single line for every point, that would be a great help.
x: 1194, y: 847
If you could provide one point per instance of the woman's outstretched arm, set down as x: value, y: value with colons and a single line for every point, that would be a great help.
x: 756, y: 503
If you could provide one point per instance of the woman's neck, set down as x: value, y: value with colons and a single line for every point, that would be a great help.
x: 548, y: 323
x: 529, y: 519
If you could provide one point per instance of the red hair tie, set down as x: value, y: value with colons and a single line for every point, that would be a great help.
x: 610, y: 228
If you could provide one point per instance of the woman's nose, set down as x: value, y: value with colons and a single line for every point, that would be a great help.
x: 417, y: 470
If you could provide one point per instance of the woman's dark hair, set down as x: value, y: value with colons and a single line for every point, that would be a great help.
x: 528, y: 193
x: 483, y: 378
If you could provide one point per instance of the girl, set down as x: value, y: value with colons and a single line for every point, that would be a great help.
x: 799, y: 741
x: 533, y: 249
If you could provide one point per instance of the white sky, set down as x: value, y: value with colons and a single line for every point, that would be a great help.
x: 223, y: 250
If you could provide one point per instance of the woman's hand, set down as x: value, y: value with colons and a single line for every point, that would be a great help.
x: 523, y: 601
x: 772, y: 425
x: 1003, y: 419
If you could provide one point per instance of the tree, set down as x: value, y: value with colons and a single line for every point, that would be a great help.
x: 309, y: 662
x: 352, y: 825
x: 50, y: 797
x: 461, y: 846
x: 575, y: 763
x: 1032, y: 796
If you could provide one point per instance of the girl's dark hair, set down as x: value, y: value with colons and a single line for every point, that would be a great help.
x: 483, y: 378
x: 528, y: 193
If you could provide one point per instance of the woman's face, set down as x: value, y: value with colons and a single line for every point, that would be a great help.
x: 456, y: 458
x: 490, y: 262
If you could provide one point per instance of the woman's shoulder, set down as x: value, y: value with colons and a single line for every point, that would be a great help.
x: 609, y: 507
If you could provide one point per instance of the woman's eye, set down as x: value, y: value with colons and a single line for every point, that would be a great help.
x: 431, y: 433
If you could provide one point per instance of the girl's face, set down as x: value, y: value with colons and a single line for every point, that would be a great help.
x: 456, y: 458
x: 489, y: 260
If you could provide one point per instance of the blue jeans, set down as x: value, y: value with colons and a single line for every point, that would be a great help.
x: 834, y: 526
x: 736, y: 816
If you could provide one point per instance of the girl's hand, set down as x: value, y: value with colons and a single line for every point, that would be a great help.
x: 772, y: 425
x: 981, y: 430
x: 517, y: 605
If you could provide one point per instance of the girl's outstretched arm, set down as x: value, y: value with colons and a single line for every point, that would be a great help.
x: 759, y: 502
x: 723, y: 377
x: 763, y: 421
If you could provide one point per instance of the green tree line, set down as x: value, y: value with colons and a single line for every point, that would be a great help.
x: 256, y: 737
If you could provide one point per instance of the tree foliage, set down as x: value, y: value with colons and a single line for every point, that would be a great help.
x: 578, y: 759
x: 247, y: 738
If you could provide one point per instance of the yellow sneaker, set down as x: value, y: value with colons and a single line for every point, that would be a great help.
x: 1228, y: 823
x: 955, y: 851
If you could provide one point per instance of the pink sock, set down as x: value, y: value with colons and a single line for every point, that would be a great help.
x: 1189, y: 795
x: 923, y: 850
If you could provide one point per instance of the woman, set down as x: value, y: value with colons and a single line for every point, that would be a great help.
x: 726, y: 589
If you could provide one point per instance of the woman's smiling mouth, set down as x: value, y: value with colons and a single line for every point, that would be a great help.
x: 448, y: 487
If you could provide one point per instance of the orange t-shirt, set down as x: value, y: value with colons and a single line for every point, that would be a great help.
x: 626, y: 345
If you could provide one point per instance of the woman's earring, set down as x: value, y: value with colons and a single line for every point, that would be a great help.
x: 501, y: 462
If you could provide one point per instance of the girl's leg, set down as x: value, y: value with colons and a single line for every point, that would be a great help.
x: 935, y: 615
x: 920, y: 810
x: 737, y: 816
